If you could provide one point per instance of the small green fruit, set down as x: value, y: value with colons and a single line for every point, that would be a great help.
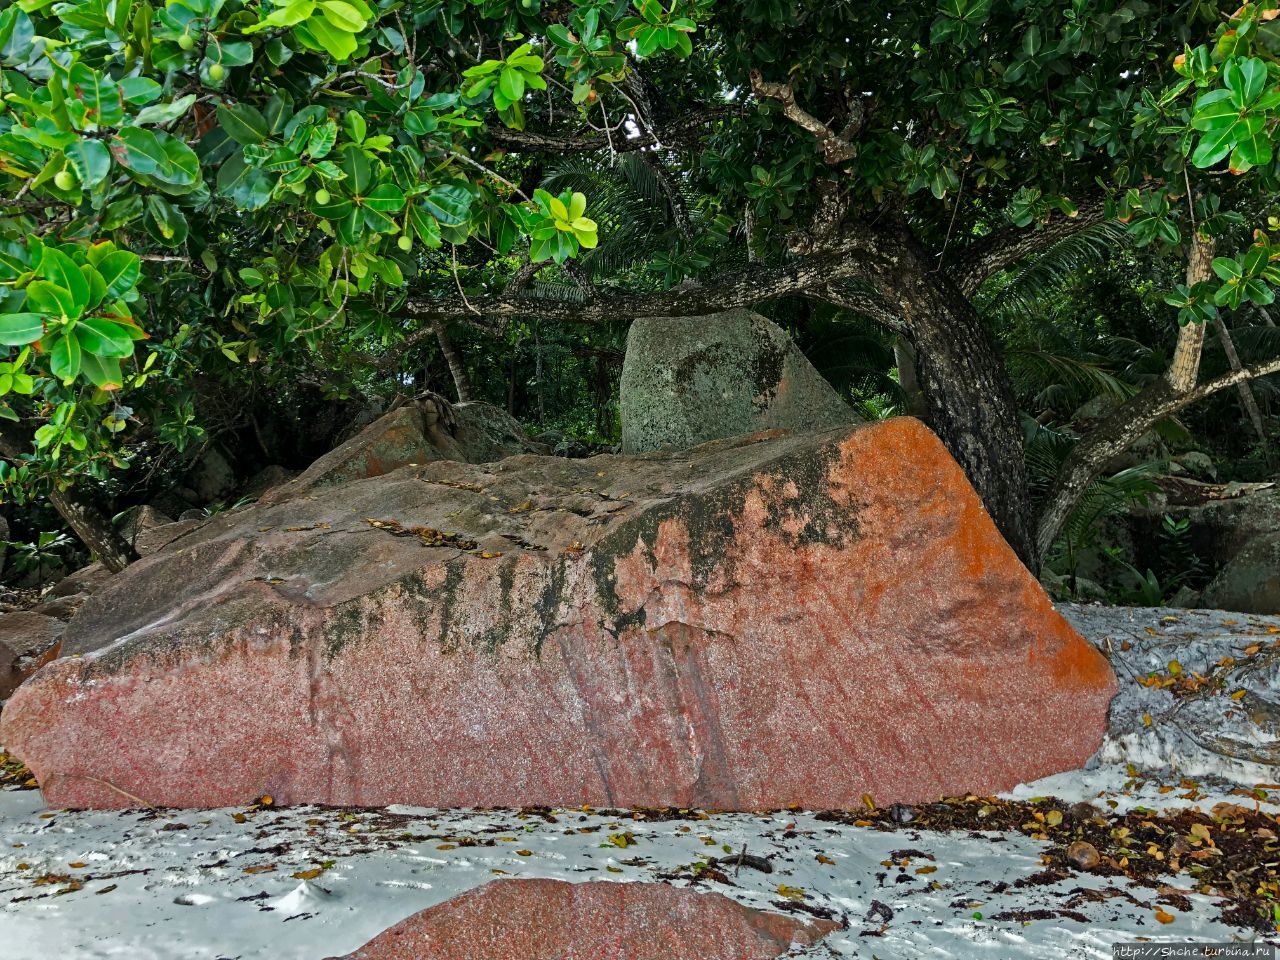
x: 217, y: 72
x: 186, y: 41
x: 322, y: 196
x: 64, y: 180
x: 405, y: 242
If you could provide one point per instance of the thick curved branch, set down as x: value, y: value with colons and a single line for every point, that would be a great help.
x: 856, y: 258
x: 860, y: 301
x: 835, y: 147
x: 996, y: 251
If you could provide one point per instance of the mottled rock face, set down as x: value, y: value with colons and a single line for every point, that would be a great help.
x: 1250, y: 582
x: 687, y: 380
x: 413, y: 434
x: 28, y: 640
x: 751, y: 624
x: 554, y: 920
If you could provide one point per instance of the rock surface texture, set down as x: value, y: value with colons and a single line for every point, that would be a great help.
x: 754, y: 623
x: 686, y: 380
x: 555, y: 920
x: 418, y: 432
x: 1250, y: 582
x: 28, y: 640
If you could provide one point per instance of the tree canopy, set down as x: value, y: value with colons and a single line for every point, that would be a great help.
x: 309, y: 188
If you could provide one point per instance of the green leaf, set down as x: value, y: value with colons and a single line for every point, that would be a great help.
x: 338, y: 43
x: 165, y: 112
x: 343, y: 15
x: 1226, y: 268
x: 102, y: 372
x: 19, y: 329
x: 356, y: 126
x: 165, y: 222
x: 51, y: 299
x: 448, y: 204
x: 386, y: 198
x: 1214, y: 109
x: 182, y: 167
x: 90, y: 160
x: 425, y: 226
x: 1246, y: 79
x: 356, y: 166
x: 58, y: 268
x: 104, y: 338
x: 511, y: 84
x: 120, y: 272
x: 1214, y: 145
x: 138, y: 150
x: 321, y: 140
x: 139, y: 90
x: 64, y: 357
x: 248, y: 187
x: 244, y: 124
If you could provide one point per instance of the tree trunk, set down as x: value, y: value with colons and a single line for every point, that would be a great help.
x: 904, y: 356
x: 1185, y: 366
x: 971, y: 402
x: 94, y: 530
x: 1132, y: 419
x: 1247, y: 399
x: 90, y: 525
x: 457, y: 365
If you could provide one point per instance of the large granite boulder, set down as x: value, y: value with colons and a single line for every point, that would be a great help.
x: 1250, y: 582
x: 758, y: 622
x: 597, y: 920
x: 686, y: 380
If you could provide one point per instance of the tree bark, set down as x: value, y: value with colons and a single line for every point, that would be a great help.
x: 89, y: 523
x: 457, y: 365
x: 94, y: 530
x: 904, y: 356
x: 1247, y: 399
x: 1184, y: 369
x: 971, y: 401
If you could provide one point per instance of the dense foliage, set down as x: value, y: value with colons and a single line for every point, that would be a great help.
x: 214, y: 204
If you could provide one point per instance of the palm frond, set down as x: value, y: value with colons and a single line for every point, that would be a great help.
x: 1061, y: 381
x: 1043, y: 275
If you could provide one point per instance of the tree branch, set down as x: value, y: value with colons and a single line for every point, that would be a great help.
x: 1114, y: 435
x: 857, y: 257
x: 675, y: 200
x: 683, y: 130
x: 998, y: 250
x: 860, y: 301
x: 835, y: 147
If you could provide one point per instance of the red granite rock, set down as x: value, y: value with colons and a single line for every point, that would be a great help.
x: 555, y: 920
x: 28, y: 640
x: 753, y: 623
